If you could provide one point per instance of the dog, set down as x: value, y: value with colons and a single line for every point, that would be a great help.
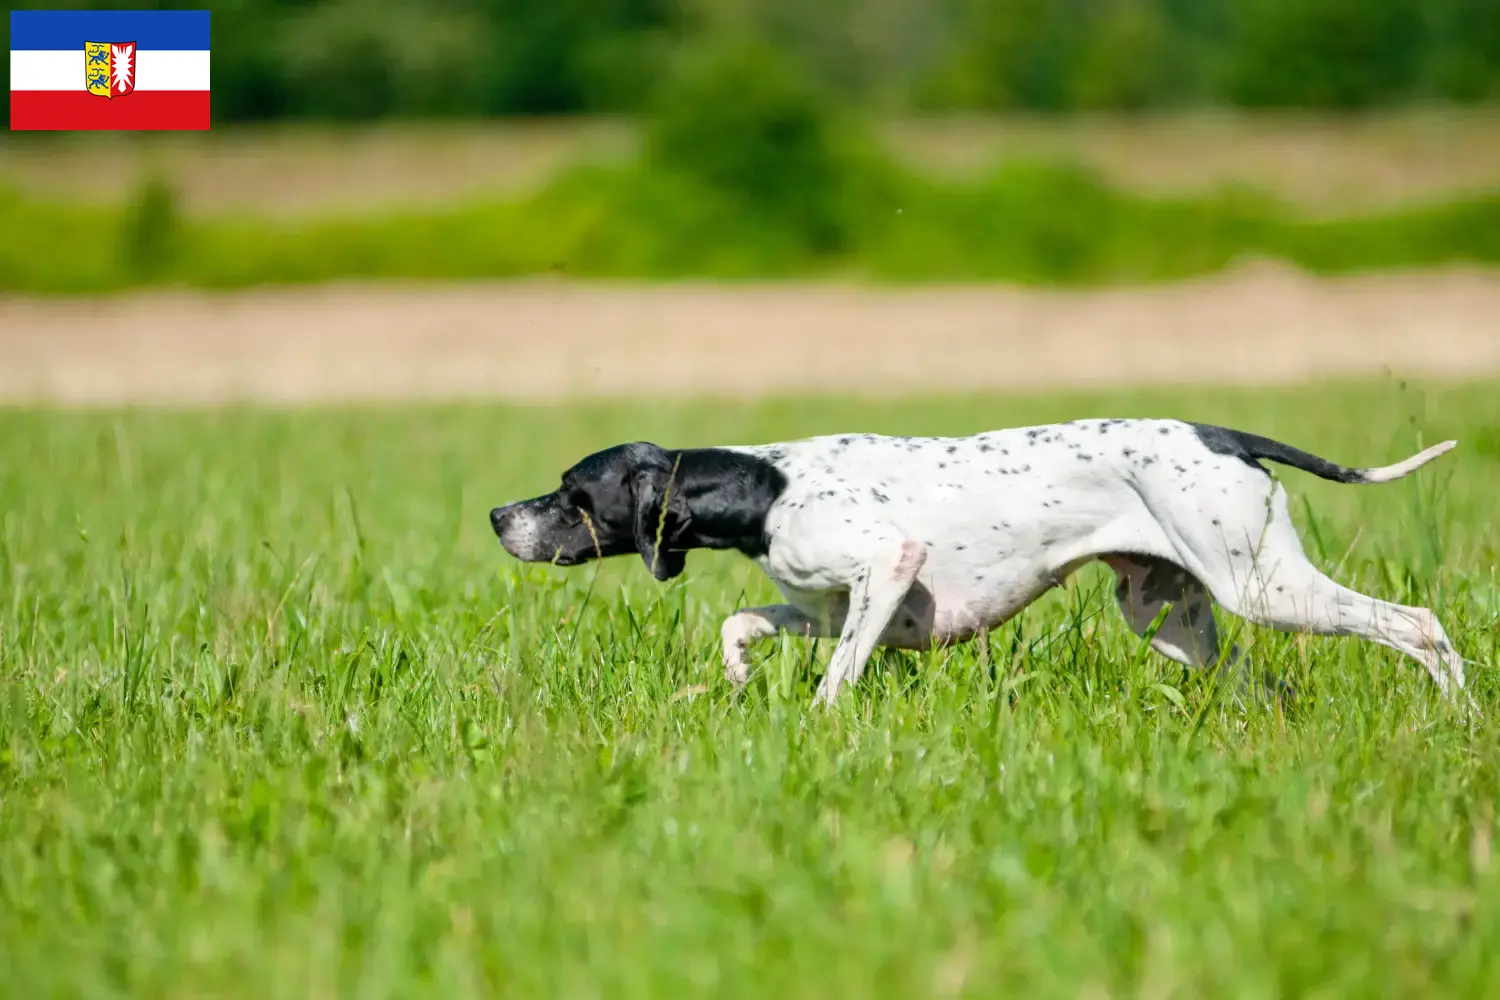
x: 909, y: 542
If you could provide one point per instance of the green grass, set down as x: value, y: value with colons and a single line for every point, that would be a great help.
x: 278, y: 718
x: 1040, y: 223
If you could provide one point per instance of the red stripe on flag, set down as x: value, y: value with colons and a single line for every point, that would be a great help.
x: 79, y: 110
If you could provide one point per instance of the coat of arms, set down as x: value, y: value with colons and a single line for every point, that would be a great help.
x: 109, y: 68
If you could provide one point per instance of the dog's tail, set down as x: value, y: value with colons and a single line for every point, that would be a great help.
x: 1253, y: 446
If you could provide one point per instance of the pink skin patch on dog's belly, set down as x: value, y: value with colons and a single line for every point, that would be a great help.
x: 962, y: 613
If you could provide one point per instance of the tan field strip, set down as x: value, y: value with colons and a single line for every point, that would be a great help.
x: 547, y: 340
x: 1325, y: 164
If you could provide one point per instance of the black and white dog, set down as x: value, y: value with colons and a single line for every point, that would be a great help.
x: 908, y: 542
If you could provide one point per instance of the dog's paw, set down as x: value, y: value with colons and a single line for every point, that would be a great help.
x: 736, y: 668
x: 734, y: 636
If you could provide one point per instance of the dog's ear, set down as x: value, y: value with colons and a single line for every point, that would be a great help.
x: 661, y: 517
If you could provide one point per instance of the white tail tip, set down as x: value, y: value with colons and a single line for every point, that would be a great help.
x: 1386, y: 473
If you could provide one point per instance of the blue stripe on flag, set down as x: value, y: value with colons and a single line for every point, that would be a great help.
x: 54, y: 30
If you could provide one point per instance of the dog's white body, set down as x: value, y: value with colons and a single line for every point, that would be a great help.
x: 913, y: 541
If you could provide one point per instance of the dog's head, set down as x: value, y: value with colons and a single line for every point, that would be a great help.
x: 614, y: 502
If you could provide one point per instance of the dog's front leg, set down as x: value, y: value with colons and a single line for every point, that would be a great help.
x: 875, y: 593
x: 751, y: 625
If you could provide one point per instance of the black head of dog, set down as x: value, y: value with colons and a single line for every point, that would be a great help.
x: 644, y: 499
x: 614, y: 502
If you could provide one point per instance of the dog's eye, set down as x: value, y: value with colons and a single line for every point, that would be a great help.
x: 577, y: 498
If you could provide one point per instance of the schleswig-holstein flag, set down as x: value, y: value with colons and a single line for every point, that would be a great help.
x: 108, y: 69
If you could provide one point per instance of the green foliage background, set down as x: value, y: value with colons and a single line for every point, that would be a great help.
x: 1028, y: 224
x: 748, y: 169
x: 360, y: 59
x: 757, y: 161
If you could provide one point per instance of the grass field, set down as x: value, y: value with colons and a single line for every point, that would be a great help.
x: 278, y: 718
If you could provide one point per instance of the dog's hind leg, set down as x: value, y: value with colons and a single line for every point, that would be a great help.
x: 875, y: 593
x: 751, y: 625
x: 1187, y: 634
x: 1260, y: 573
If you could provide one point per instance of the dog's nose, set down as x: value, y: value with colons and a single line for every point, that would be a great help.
x: 497, y: 518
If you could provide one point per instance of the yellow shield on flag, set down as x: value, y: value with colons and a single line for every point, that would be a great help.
x: 96, y: 67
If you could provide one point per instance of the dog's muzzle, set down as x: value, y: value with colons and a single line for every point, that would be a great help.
x: 498, y: 517
x: 516, y: 528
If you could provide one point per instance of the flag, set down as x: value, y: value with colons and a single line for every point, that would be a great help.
x: 108, y: 69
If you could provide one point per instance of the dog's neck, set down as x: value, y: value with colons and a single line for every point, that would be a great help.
x: 728, y: 494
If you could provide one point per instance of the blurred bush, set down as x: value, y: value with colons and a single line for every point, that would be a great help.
x: 150, y: 230
x: 744, y: 122
x: 352, y: 59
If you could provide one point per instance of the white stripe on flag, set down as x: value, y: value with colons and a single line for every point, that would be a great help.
x: 156, y: 69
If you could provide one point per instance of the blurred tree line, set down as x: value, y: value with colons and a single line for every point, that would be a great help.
x: 353, y: 59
